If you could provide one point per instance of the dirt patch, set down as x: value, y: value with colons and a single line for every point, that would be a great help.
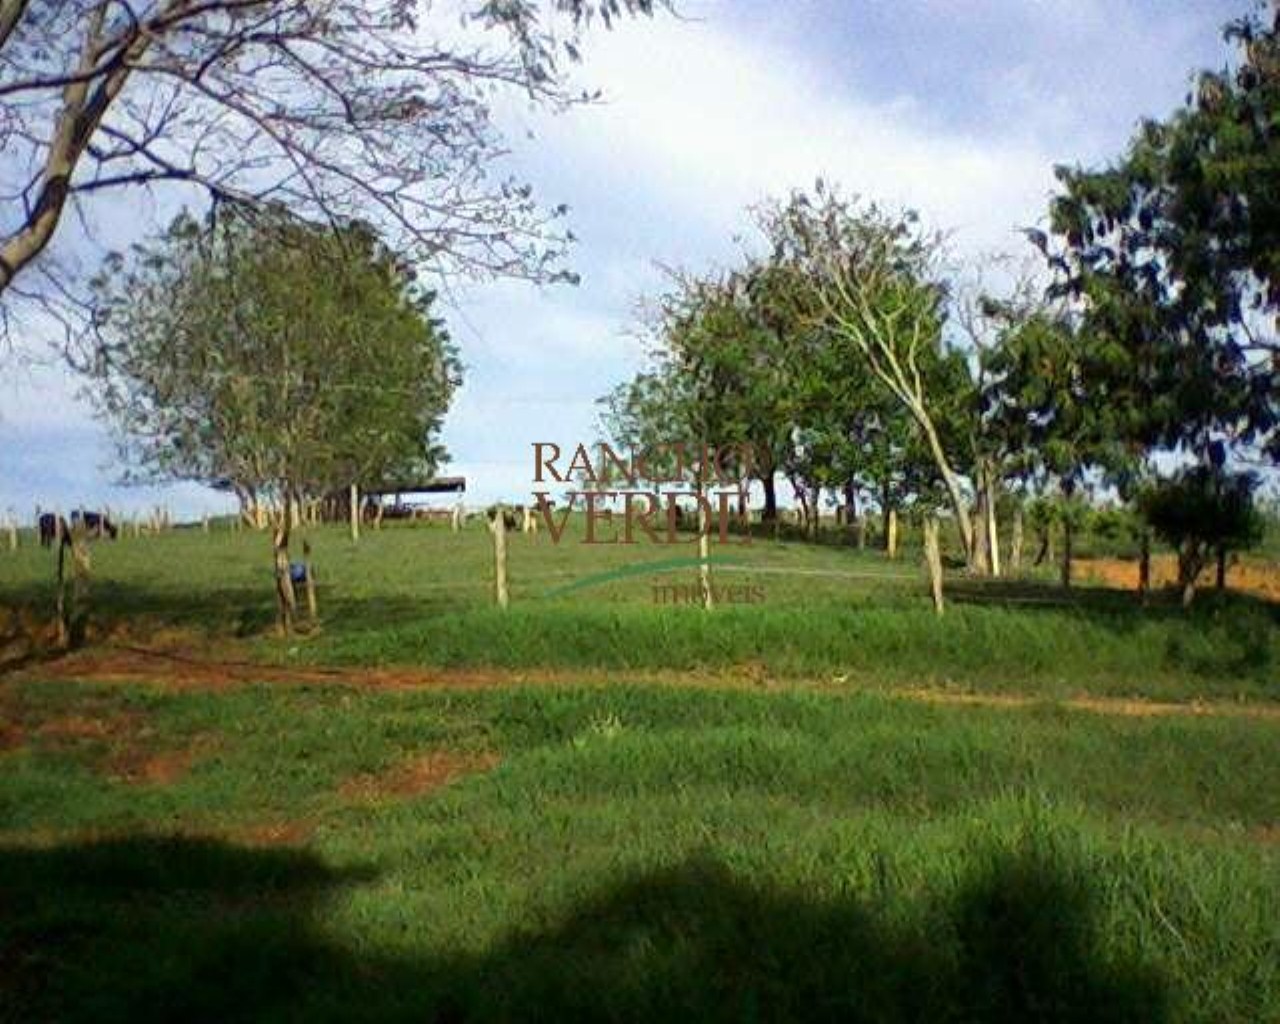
x: 1260, y: 579
x: 139, y: 768
x: 174, y: 671
x: 77, y: 728
x: 421, y: 773
x: 170, y: 671
x: 1121, y: 706
x: 122, y: 746
x: 11, y: 737
x: 272, y: 833
x: 1267, y: 835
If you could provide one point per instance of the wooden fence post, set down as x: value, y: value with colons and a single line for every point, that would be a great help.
x: 891, y: 534
x: 499, y: 527
x: 81, y: 573
x: 933, y: 558
x: 353, y: 499
x: 455, y: 520
x: 60, y: 601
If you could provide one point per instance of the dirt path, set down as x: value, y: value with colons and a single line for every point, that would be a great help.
x: 172, y: 670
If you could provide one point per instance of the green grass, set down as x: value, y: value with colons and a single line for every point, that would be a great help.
x: 421, y: 597
x: 638, y: 853
x: 818, y: 850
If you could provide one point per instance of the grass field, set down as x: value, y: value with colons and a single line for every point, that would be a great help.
x: 830, y: 806
x: 422, y: 597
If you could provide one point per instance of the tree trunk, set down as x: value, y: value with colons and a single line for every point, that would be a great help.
x: 992, y: 524
x: 1015, y: 540
x: 286, y: 599
x: 980, y: 559
x: 1221, y: 580
x: 949, y: 480
x: 704, y: 555
x: 933, y: 560
x: 1188, y: 571
x: 891, y: 534
x: 770, y: 512
x: 1144, y: 567
x: 704, y: 548
x: 353, y: 497
x: 1068, y: 532
x: 309, y: 579
x: 886, y: 511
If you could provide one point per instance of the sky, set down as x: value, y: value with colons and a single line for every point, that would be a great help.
x: 957, y: 108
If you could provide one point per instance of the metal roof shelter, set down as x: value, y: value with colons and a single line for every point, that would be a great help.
x: 437, y: 485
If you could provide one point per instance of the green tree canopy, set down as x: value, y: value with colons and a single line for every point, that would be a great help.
x: 282, y: 358
x: 1173, y: 256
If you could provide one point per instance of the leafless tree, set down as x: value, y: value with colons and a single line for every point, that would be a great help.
x: 372, y: 109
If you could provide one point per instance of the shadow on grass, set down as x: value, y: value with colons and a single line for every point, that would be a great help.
x: 169, y: 929
x: 239, y: 612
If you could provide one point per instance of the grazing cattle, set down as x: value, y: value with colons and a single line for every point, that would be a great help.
x: 509, y: 519
x: 53, y: 527
x: 96, y: 523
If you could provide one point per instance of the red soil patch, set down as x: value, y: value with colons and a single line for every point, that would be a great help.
x: 168, y: 670
x: 172, y: 670
x: 141, y: 768
x: 1261, y: 579
x: 120, y: 746
x: 76, y: 728
x: 272, y: 833
x: 416, y: 775
x: 1124, y: 707
x: 11, y: 737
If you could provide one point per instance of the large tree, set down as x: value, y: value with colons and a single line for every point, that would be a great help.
x: 338, y: 108
x: 284, y: 359
x: 876, y: 287
x: 1171, y: 254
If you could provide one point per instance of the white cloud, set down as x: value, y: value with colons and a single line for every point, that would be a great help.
x: 701, y: 124
x: 705, y: 117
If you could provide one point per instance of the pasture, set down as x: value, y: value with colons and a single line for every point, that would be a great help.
x: 830, y: 804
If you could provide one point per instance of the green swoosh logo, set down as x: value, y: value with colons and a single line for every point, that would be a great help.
x: 642, y: 569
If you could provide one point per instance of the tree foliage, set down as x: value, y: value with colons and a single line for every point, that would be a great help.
x: 379, y: 109
x: 1171, y: 253
x: 282, y: 358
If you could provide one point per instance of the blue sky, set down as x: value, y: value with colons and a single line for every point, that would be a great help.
x: 959, y: 108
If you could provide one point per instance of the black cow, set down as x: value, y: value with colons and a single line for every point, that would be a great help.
x: 53, y: 527
x: 96, y: 523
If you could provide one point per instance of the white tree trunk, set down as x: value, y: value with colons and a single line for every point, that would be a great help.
x: 992, y: 523
x: 1016, y: 540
